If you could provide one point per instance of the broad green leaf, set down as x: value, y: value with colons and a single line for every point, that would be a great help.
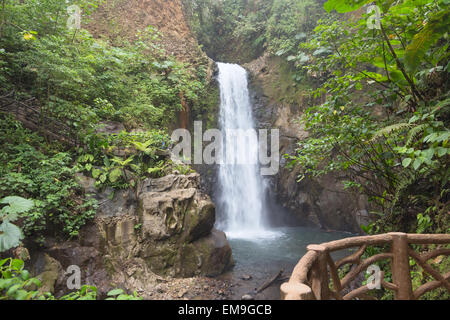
x: 343, y: 6
x: 2, y: 262
x: 16, y: 204
x: 115, y: 174
x: 10, y: 236
x: 21, y: 294
x: 435, y: 28
x: 96, y: 173
x: 417, y: 163
x: 406, y: 162
x: 17, y: 264
x: 25, y: 275
x: 115, y: 292
x: 13, y: 289
x: 103, y: 178
x: 441, y: 151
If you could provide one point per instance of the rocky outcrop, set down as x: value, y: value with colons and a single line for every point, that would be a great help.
x: 166, y: 16
x: 166, y: 228
x: 168, y: 222
x: 320, y: 202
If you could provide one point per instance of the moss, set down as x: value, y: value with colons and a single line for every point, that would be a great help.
x: 109, y: 266
x: 161, y: 259
x: 283, y: 87
x: 208, y: 110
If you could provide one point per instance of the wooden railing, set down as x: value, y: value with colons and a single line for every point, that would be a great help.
x: 310, y: 278
x: 31, y: 116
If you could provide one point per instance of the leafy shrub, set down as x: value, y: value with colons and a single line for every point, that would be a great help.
x: 47, y: 178
x: 383, y: 123
x: 16, y: 284
x: 10, y: 234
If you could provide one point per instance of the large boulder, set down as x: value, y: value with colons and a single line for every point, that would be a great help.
x: 166, y: 222
x: 164, y: 228
x: 206, y: 255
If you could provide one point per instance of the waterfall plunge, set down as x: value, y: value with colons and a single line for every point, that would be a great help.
x: 242, y: 190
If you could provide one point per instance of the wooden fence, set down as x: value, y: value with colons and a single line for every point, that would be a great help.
x: 31, y: 116
x: 310, y: 279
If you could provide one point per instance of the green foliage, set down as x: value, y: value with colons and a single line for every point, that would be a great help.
x: 86, y: 292
x: 119, y: 294
x: 17, y: 284
x: 438, y: 24
x: 82, y: 83
x: 251, y: 26
x: 289, y: 23
x: 29, y: 171
x: 343, y: 6
x: 423, y: 223
x: 127, y: 158
x: 384, y: 123
x: 10, y: 234
x: 219, y: 23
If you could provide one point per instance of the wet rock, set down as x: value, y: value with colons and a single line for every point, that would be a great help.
x: 247, y: 297
x: 175, y: 235
x: 136, y: 240
x: 110, y: 127
x: 319, y: 202
x: 182, y: 293
x: 246, y: 277
x: 170, y: 182
x: 208, y: 256
x: 49, y: 273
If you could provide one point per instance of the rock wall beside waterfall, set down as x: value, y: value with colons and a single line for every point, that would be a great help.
x: 318, y: 202
x: 165, y: 229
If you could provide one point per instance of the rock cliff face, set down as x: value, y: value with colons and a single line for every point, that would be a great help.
x: 165, y: 229
x: 318, y: 202
x: 168, y: 224
x: 123, y: 19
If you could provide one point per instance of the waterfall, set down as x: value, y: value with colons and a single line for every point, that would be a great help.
x: 242, y: 190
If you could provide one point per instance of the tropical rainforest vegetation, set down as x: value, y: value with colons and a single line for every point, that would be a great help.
x: 381, y: 90
x: 381, y: 116
x: 73, y: 85
x: 77, y: 84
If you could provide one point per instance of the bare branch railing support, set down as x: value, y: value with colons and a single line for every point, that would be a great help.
x: 400, y: 266
x: 310, y: 279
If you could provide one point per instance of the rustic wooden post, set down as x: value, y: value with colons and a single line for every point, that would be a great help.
x: 401, y: 276
x: 319, y: 273
x: 296, y: 291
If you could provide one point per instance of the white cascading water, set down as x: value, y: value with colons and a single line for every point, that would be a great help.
x: 241, y: 187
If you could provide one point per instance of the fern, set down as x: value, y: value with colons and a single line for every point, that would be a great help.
x: 422, y: 41
x: 441, y: 105
x: 404, y: 182
x: 392, y: 129
x: 412, y: 134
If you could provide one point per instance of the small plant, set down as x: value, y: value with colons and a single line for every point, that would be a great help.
x: 119, y: 294
x: 423, y: 223
x: 86, y: 292
x: 10, y: 234
x: 16, y: 283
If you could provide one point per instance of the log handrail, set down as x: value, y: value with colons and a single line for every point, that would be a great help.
x: 311, y: 276
x: 32, y: 117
